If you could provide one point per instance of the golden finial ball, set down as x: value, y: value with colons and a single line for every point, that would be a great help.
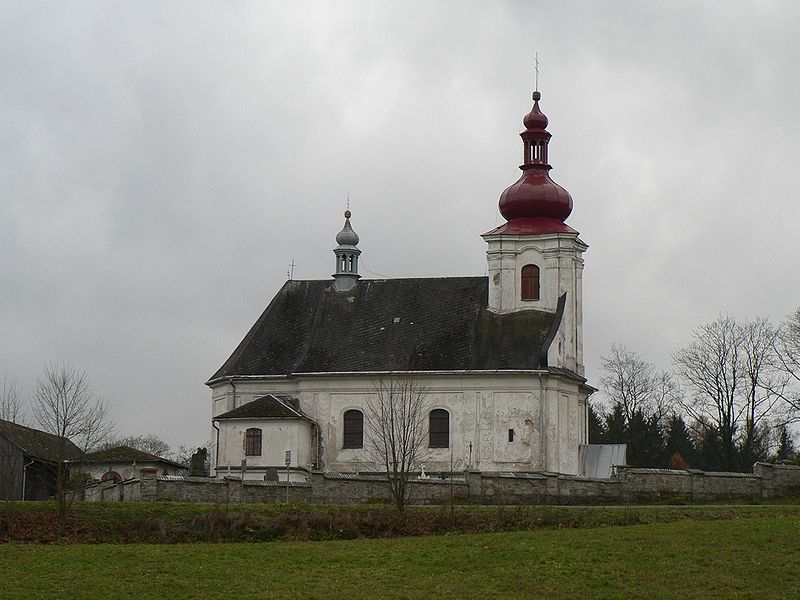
x: 347, y: 214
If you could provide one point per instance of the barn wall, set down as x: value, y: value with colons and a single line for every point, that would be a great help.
x: 11, y: 463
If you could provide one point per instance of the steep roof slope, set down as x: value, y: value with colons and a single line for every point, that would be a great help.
x: 38, y: 444
x: 429, y: 324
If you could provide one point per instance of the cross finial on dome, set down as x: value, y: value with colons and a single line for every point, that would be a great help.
x: 536, y: 68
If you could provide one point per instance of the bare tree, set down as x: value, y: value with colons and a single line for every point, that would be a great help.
x: 397, y: 430
x: 146, y: 442
x: 763, y: 390
x: 11, y: 406
x: 65, y: 405
x: 11, y: 458
x: 730, y: 371
x: 636, y: 385
x: 11, y: 467
x: 711, y: 366
x: 787, y: 347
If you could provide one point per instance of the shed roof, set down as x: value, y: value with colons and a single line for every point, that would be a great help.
x: 430, y: 324
x: 39, y: 444
x: 126, y: 454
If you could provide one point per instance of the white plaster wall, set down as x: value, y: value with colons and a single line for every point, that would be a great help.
x: 482, y: 407
x: 277, y: 436
x: 560, y: 262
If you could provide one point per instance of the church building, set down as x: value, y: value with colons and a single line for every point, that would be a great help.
x: 500, y: 357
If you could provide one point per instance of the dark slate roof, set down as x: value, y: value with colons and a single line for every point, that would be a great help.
x: 126, y: 454
x: 432, y: 324
x: 266, y: 407
x: 38, y: 444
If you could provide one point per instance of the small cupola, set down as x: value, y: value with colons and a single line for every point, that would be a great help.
x: 347, y: 254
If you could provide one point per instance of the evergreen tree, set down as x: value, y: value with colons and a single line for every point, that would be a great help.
x: 597, y: 431
x: 755, y: 449
x: 786, y: 449
x: 678, y: 441
x: 616, y: 431
x: 640, y: 432
x: 712, y: 456
x: 645, y: 441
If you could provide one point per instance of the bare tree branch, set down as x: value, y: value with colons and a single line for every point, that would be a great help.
x: 636, y: 385
x: 65, y: 405
x: 146, y: 442
x: 735, y: 387
x: 396, y: 430
x: 787, y: 354
x: 11, y: 405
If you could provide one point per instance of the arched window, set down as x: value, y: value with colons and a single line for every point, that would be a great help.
x: 530, y: 282
x: 353, y: 429
x: 112, y: 475
x: 439, y: 427
x: 252, y: 442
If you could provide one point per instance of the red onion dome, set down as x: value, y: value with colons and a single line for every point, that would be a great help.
x: 535, y: 195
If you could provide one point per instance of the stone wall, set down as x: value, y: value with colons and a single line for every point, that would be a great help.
x: 331, y: 488
x: 626, y: 485
x: 130, y: 490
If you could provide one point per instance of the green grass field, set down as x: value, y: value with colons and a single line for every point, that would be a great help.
x: 754, y: 554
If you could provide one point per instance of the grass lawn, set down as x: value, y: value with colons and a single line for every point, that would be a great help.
x: 757, y: 556
x: 172, y: 523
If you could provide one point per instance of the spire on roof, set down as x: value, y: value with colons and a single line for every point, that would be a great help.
x: 347, y: 254
x: 535, y: 203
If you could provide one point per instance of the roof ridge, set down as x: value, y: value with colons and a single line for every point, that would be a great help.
x: 287, y: 405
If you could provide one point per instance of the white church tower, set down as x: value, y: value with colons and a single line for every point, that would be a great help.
x: 535, y: 259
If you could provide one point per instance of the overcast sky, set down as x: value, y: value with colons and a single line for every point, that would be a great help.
x: 162, y: 163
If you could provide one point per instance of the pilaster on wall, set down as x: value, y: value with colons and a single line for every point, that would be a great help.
x: 560, y: 262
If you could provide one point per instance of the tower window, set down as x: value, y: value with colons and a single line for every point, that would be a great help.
x: 439, y: 427
x: 353, y: 429
x: 510, y: 435
x: 530, y: 282
x: 252, y: 442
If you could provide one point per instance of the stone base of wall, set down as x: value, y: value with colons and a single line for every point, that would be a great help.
x: 627, y: 485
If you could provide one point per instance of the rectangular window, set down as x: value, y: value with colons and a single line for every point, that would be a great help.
x: 510, y: 435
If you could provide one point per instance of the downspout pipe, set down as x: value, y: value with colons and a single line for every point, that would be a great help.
x: 233, y: 386
x: 216, y: 448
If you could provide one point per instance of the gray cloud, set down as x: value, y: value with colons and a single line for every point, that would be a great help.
x: 161, y: 164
